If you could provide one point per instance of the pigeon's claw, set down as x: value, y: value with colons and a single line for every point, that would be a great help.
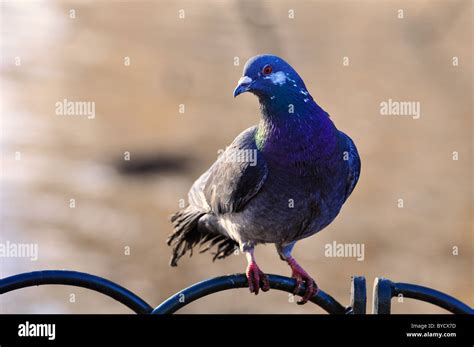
x: 256, y: 278
x: 302, y: 278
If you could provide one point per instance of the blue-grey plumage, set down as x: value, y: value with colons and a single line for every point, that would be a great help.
x: 302, y: 170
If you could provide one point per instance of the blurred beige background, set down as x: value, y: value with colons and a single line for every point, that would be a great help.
x: 190, y: 61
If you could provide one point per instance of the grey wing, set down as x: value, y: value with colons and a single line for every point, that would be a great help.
x: 352, y: 156
x: 196, y: 195
x: 234, y: 179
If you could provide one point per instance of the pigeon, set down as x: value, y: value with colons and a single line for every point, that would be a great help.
x: 279, y: 182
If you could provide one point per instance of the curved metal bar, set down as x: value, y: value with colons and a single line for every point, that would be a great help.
x: 358, y: 295
x: 382, y: 296
x: 218, y: 284
x: 78, y: 279
x: 432, y: 296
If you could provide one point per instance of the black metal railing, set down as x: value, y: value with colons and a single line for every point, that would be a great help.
x: 76, y: 279
x: 384, y: 291
x: 214, y: 285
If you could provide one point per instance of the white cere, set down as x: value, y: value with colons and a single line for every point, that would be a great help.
x: 277, y: 78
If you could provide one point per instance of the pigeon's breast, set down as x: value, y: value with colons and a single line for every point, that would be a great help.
x: 289, y: 207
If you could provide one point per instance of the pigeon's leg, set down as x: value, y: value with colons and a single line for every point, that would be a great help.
x: 298, y: 273
x: 256, y: 278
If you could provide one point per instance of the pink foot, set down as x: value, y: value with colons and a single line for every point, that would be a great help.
x: 302, y: 277
x: 256, y: 278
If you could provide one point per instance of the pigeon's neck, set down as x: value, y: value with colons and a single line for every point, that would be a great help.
x: 295, y: 130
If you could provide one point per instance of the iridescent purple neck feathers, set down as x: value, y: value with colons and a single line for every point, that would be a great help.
x: 294, y: 131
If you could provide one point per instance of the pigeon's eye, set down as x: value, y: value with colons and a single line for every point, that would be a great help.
x: 267, y: 70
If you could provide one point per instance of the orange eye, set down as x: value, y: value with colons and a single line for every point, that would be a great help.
x: 267, y: 70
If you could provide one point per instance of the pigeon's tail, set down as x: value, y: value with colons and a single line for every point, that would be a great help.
x: 187, y: 235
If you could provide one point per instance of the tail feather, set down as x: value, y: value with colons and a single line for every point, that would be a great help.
x: 186, y: 236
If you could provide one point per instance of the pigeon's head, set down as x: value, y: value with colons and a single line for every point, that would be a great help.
x: 269, y: 77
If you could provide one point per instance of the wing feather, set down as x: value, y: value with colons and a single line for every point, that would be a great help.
x: 235, y: 178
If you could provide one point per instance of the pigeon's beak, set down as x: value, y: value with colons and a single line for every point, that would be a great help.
x: 243, y: 85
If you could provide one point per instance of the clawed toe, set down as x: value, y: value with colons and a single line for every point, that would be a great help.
x: 257, y: 279
x: 311, y: 289
x: 302, y: 280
